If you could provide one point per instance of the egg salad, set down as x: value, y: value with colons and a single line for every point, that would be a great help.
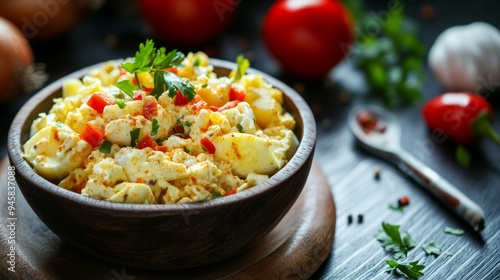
x: 133, y: 136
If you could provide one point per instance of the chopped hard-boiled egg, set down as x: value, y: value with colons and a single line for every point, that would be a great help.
x: 135, y: 147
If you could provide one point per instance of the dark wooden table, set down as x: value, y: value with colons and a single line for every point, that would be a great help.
x: 112, y: 33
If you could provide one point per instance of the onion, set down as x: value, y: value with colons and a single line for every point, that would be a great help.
x: 46, y: 19
x: 18, y: 74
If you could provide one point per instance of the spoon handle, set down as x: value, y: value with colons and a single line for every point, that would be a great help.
x: 443, y: 190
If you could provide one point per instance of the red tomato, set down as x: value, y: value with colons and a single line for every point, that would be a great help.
x: 308, y: 37
x: 188, y: 22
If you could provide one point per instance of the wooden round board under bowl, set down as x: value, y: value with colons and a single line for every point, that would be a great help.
x: 293, y: 250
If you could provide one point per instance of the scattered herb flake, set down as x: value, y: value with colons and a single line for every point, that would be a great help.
x: 390, y: 238
x: 154, y: 127
x: 134, y: 135
x: 411, y: 270
x: 196, y: 62
x: 243, y: 65
x: 240, y: 128
x: 432, y: 248
x: 395, y: 207
x: 121, y: 103
x: 105, y: 147
x: 186, y: 150
x: 216, y: 194
x: 204, y: 86
x: 454, y: 231
x: 448, y: 253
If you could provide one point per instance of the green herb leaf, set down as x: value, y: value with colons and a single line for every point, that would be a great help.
x: 173, y: 58
x: 462, y: 156
x: 154, y: 61
x: 134, y: 135
x: 186, y: 150
x: 154, y: 127
x: 432, y: 248
x: 127, y: 87
x: 392, y: 241
x: 105, y: 147
x: 240, y: 128
x: 168, y: 81
x: 411, y: 270
x: 204, y: 86
x: 454, y: 231
x: 243, y: 65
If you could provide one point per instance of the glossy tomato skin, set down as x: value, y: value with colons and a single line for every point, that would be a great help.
x: 454, y: 115
x: 308, y: 38
x: 188, y: 23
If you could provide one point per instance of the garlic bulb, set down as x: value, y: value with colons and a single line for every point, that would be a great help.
x: 467, y: 58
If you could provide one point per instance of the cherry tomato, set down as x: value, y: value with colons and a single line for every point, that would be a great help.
x: 188, y: 22
x: 463, y: 117
x: 308, y: 37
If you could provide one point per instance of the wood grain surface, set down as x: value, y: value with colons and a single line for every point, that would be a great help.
x: 293, y: 250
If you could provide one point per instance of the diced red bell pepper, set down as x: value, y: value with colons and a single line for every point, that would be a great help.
x: 149, y: 109
x: 93, y: 135
x: 229, y: 105
x: 99, y: 100
x: 171, y: 69
x: 180, y: 99
x: 231, y: 191
x: 236, y: 94
x: 207, y: 144
x: 147, y: 141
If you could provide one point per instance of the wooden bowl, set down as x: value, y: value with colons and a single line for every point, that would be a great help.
x: 164, y: 236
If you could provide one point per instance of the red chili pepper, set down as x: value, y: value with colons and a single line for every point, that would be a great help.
x: 205, y: 142
x: 149, y: 109
x: 99, y: 100
x: 93, y: 135
x: 463, y: 117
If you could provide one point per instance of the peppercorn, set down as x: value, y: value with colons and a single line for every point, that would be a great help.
x: 403, y: 201
x: 349, y: 219
x: 360, y: 218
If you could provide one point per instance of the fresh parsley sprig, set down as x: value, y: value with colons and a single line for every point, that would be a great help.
x: 411, y: 270
x: 152, y: 60
x: 390, y: 238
